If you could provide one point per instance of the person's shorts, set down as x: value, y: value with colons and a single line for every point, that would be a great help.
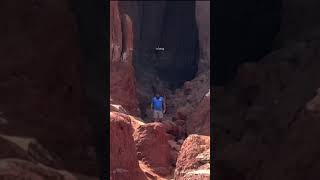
x: 157, y: 114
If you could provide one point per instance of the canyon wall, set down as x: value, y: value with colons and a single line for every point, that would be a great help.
x: 154, y: 147
x: 41, y: 86
x: 265, y: 119
x: 203, y: 23
x: 122, y: 81
x: 171, y: 25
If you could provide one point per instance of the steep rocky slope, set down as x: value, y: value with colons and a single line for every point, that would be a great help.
x: 266, y: 118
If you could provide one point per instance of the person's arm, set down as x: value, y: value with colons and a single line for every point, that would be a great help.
x: 151, y: 105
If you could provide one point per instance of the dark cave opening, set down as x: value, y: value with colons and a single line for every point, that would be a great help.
x: 172, y: 27
x: 242, y: 32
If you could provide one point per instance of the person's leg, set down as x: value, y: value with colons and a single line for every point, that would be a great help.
x: 155, y: 116
x: 160, y: 116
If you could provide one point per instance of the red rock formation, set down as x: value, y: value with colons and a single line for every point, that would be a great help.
x: 192, y: 104
x: 122, y: 81
x: 153, y: 147
x: 199, y: 121
x: 156, y: 144
x: 123, y: 155
x: 115, y: 32
x: 194, y: 159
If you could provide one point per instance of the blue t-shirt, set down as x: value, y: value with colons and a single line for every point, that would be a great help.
x: 157, y: 103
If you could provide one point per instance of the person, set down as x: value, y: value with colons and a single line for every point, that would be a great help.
x: 159, y: 107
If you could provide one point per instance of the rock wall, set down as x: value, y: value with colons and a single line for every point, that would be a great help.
x: 122, y: 81
x: 171, y: 25
x: 199, y: 120
x: 203, y: 22
x: 194, y: 159
x: 123, y: 155
x: 41, y: 86
x: 265, y: 119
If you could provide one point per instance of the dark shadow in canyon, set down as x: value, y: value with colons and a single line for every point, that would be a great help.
x: 93, y: 37
x: 243, y: 31
x: 166, y: 24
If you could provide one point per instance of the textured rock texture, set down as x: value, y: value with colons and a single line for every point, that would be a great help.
x: 15, y: 169
x: 122, y: 81
x: 153, y: 147
x: 199, y: 121
x: 27, y: 149
x: 192, y: 104
x: 194, y: 159
x: 123, y: 155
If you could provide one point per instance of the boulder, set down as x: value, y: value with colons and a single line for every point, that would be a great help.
x: 117, y: 108
x: 153, y: 147
x: 16, y: 169
x: 194, y: 159
x: 123, y: 155
x: 27, y: 149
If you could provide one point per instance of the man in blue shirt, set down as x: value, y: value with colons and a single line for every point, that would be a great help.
x: 158, y: 106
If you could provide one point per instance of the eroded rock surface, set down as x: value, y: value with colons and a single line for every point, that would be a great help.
x: 123, y: 155
x: 199, y: 121
x: 122, y: 81
x: 153, y: 147
x: 194, y: 159
x: 15, y: 169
